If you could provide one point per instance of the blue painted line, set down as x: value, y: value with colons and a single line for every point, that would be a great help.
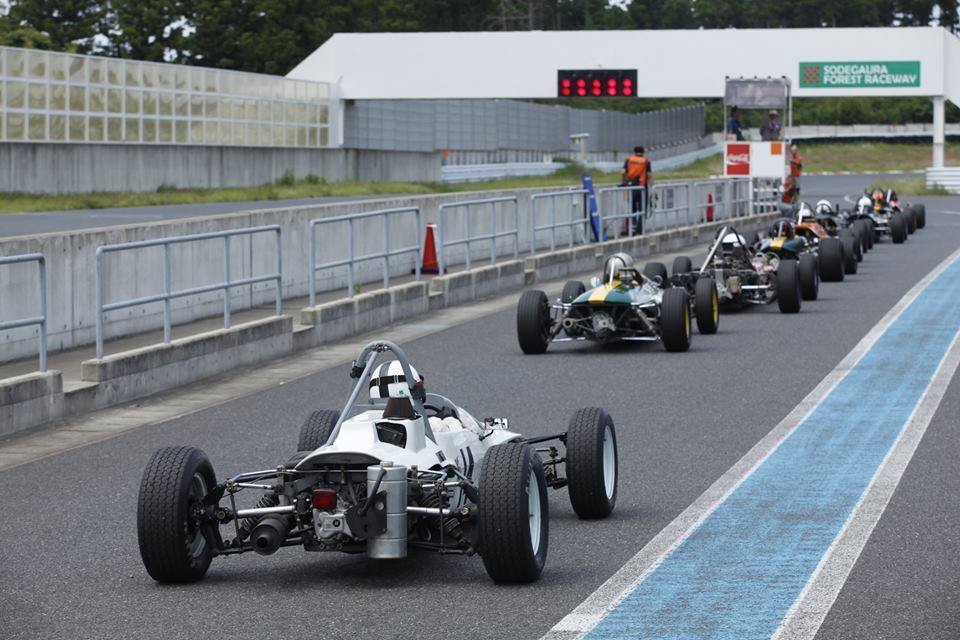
x: 740, y: 571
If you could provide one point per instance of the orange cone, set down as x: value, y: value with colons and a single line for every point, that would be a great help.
x: 709, y: 207
x: 430, y: 263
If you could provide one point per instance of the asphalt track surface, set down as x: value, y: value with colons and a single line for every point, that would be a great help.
x: 71, y: 568
x: 20, y: 224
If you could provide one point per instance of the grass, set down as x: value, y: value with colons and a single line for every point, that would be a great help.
x: 833, y: 156
x: 912, y: 186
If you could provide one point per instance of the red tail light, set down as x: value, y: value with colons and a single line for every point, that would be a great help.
x: 324, y: 499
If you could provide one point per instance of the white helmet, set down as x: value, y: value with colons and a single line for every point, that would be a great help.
x: 732, y: 241
x: 389, y: 381
x: 824, y: 208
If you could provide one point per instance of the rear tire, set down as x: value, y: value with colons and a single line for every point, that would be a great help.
x: 675, y: 319
x: 514, y: 517
x: 654, y: 270
x: 809, y: 277
x: 911, y: 221
x: 706, y: 306
x: 533, y: 322
x: 831, y: 260
x: 681, y: 265
x: 898, y: 228
x: 316, y: 429
x: 788, y: 286
x: 921, y: 211
x: 571, y: 291
x: 592, y: 463
x: 849, y: 255
x: 172, y: 544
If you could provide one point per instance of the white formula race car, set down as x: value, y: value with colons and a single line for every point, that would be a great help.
x: 406, y: 469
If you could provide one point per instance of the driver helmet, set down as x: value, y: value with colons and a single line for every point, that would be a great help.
x: 863, y: 204
x: 824, y: 208
x: 732, y: 241
x: 616, y: 262
x: 389, y: 381
x: 782, y: 229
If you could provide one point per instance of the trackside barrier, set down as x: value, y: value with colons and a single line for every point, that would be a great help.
x: 351, y: 260
x: 670, y: 206
x: 41, y: 318
x: 571, y: 202
x: 168, y: 294
x: 729, y: 197
x: 468, y: 239
x: 616, y: 204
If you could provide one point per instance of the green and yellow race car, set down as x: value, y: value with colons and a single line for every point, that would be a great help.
x: 622, y: 304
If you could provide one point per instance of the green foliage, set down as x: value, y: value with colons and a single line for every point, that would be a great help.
x: 67, y: 25
x: 286, y: 180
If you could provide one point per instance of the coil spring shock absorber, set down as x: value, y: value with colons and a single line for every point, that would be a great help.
x: 246, y: 527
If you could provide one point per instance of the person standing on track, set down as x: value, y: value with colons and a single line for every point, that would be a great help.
x: 636, y: 172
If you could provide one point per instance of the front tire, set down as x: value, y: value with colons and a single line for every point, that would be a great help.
x: 706, y: 306
x: 831, y: 260
x: 654, y: 270
x: 921, y: 212
x: 849, y: 254
x: 533, y: 322
x: 788, y: 286
x: 571, y: 291
x: 174, y: 484
x: 675, y: 319
x: 592, y: 463
x: 898, y: 228
x: 911, y: 217
x: 681, y: 265
x: 514, y: 518
x: 809, y: 277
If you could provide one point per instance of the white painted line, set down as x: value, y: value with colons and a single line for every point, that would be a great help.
x: 804, y: 618
x: 611, y: 593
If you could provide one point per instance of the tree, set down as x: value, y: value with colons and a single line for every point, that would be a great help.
x: 152, y: 30
x: 70, y: 25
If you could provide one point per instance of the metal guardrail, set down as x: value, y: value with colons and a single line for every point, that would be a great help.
x: 168, y: 294
x: 41, y: 318
x: 468, y: 239
x: 618, y: 199
x: 571, y: 222
x: 351, y: 260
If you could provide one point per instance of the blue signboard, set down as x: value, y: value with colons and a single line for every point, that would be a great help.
x: 592, y: 210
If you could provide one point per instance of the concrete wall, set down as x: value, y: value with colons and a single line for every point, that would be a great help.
x: 82, y: 168
x: 71, y: 280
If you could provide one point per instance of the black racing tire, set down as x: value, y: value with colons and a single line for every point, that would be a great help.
x: 898, y: 228
x: 852, y: 244
x: 788, y: 286
x: 831, y: 260
x: 866, y: 234
x: 809, y: 277
x: 512, y: 548
x: 849, y: 254
x: 316, y: 429
x: 681, y: 265
x: 592, y: 463
x: 871, y: 232
x: 706, y: 306
x: 911, y: 217
x: 921, y: 211
x: 533, y: 322
x: 675, y: 319
x: 172, y: 545
x: 653, y: 270
x: 571, y: 291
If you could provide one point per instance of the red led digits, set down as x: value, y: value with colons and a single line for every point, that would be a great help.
x: 596, y: 82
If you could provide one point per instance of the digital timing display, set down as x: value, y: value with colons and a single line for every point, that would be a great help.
x: 596, y: 83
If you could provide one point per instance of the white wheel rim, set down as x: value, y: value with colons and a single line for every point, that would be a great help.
x: 609, y: 462
x: 533, y: 509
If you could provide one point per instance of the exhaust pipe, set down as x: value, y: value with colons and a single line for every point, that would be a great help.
x: 269, y: 534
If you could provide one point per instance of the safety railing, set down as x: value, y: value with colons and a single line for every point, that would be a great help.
x: 669, y: 206
x: 469, y: 237
x: 41, y: 318
x: 169, y: 294
x: 352, y: 259
x: 616, y: 208
x: 572, y: 200
x: 721, y: 199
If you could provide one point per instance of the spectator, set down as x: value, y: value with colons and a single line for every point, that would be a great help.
x: 770, y: 129
x: 637, y: 172
x: 733, y: 124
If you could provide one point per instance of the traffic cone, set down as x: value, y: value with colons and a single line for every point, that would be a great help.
x: 430, y: 263
x: 709, y: 207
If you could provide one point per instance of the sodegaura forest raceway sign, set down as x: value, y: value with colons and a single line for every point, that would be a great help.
x: 826, y: 75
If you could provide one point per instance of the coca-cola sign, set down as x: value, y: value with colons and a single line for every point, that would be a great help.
x: 738, y: 160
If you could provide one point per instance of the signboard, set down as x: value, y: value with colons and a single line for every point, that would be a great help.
x: 593, y: 212
x: 738, y: 159
x: 859, y: 75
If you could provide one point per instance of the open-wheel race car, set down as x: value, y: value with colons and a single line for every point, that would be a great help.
x: 888, y: 215
x: 405, y: 469
x: 836, y: 223
x: 622, y: 304
x: 743, y: 275
x: 832, y: 257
